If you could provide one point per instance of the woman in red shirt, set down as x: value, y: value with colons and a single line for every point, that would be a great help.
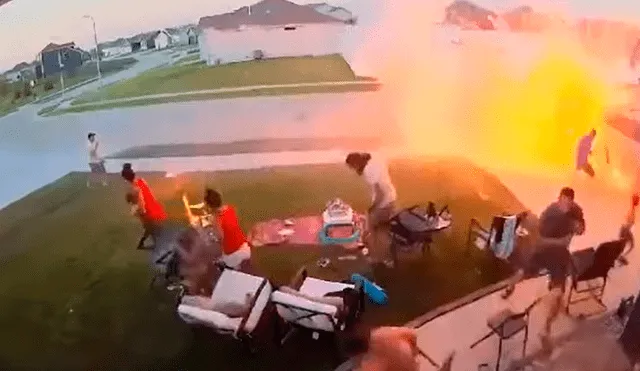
x: 148, y: 208
x: 235, y: 248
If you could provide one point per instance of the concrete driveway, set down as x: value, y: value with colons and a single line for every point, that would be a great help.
x: 35, y: 151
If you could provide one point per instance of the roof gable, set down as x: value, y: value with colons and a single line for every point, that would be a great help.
x: 266, y: 13
x: 53, y: 47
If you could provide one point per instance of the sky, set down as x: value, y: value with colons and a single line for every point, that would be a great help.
x: 26, y: 26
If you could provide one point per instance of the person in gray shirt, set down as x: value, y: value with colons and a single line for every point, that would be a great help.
x: 559, y: 222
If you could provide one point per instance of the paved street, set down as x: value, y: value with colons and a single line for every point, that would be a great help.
x: 35, y: 151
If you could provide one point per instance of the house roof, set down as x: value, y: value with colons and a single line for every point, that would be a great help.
x: 53, y: 47
x: 115, y: 43
x: 144, y: 36
x: 330, y: 10
x: 266, y: 13
x: 20, y: 66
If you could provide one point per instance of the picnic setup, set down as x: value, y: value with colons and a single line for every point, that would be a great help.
x: 330, y: 294
x: 327, y: 296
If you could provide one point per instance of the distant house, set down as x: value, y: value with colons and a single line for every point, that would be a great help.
x: 334, y: 11
x: 269, y: 29
x: 469, y: 16
x: 17, y: 72
x: 192, y: 35
x: 184, y: 35
x: 149, y: 41
x: 55, y: 58
x: 115, y: 48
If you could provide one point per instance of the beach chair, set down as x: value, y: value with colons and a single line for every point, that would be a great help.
x: 507, y: 324
x: 591, y: 266
x: 499, y: 237
x: 300, y: 311
x: 232, y: 288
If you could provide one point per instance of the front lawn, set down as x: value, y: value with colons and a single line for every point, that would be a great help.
x: 175, y: 79
x: 74, y: 293
x: 364, y: 86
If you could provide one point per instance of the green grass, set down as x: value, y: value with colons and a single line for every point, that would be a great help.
x: 201, y: 77
x: 188, y: 58
x: 261, y: 92
x: 74, y: 293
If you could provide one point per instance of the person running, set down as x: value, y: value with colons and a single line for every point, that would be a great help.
x: 236, y: 252
x: 585, y: 147
x: 626, y: 233
x: 96, y: 163
x: 559, y: 222
x: 383, y: 203
x: 148, y: 208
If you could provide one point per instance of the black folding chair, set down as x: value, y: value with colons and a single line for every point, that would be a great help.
x: 507, y: 324
x: 592, y: 266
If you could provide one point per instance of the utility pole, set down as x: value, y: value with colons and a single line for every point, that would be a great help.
x: 95, y: 40
x: 61, y: 73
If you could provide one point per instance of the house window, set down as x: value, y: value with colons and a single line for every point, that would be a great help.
x: 290, y: 28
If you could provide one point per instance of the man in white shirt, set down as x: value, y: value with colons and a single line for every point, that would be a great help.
x: 96, y: 163
x: 383, y: 203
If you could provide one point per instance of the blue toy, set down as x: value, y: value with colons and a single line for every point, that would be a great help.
x: 325, y: 239
x: 375, y: 293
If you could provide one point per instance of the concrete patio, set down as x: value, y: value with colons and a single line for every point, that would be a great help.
x: 457, y: 328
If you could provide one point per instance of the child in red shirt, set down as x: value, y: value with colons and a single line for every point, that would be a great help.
x: 235, y: 248
x: 150, y: 211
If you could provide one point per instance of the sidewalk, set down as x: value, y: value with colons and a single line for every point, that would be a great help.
x: 458, y: 329
x: 218, y: 91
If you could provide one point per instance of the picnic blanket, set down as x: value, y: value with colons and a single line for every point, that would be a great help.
x: 303, y: 230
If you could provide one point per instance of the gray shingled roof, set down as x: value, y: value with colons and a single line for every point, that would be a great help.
x: 266, y: 13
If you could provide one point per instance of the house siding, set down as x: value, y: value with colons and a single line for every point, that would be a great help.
x: 233, y: 46
x: 116, y: 50
x: 51, y: 63
x: 161, y: 41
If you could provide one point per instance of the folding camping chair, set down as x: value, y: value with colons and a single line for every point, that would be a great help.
x: 302, y: 313
x: 232, y: 288
x: 591, y: 265
x: 163, y: 255
x: 507, y: 324
x: 486, y: 238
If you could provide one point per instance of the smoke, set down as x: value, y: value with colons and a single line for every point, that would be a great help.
x: 501, y: 98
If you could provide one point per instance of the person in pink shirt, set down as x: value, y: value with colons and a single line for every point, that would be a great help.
x: 585, y: 146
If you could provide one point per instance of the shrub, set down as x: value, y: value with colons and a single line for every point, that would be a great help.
x: 26, y: 90
x: 17, y: 95
x: 48, y: 85
x: 258, y: 55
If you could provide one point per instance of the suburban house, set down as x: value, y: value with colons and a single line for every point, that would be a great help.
x: 184, y: 35
x: 269, y: 29
x: 18, y: 72
x: 334, y: 11
x: 55, y: 58
x: 150, y: 40
x: 115, y: 48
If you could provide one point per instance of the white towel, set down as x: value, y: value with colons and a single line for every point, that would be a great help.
x: 504, y: 248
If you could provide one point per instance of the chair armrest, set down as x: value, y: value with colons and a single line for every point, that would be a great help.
x: 252, y: 304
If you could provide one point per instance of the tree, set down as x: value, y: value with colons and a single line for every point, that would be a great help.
x: 5, y: 87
